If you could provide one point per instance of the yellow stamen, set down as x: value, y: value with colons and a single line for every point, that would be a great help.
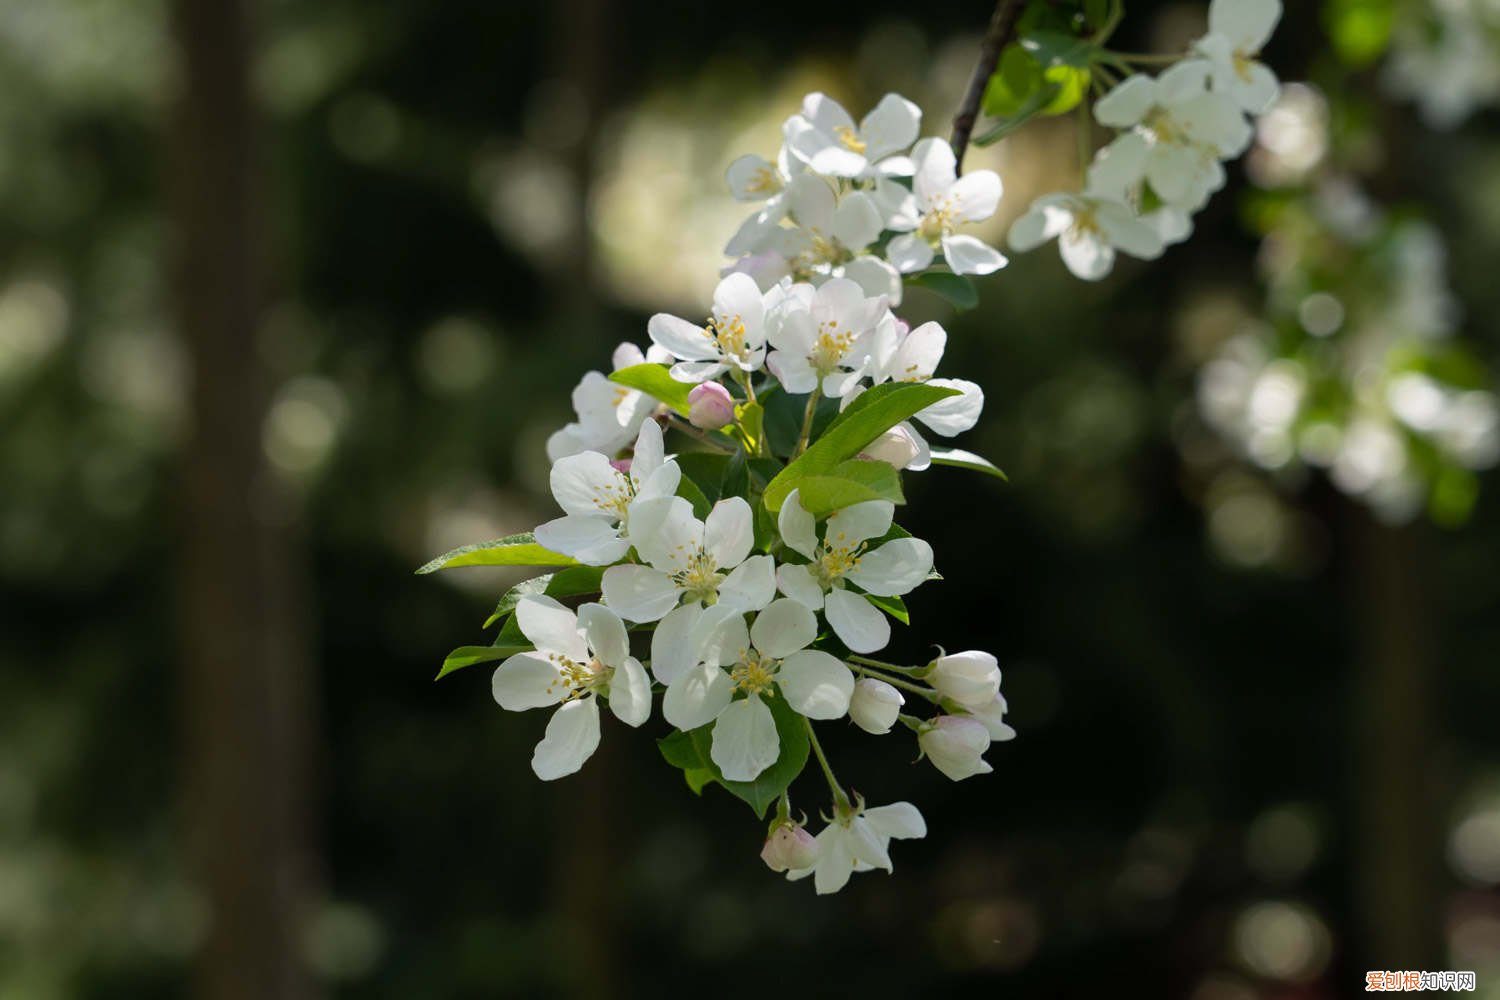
x: 754, y: 674
x: 849, y: 138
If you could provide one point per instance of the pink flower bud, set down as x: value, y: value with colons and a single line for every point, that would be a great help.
x: 789, y: 847
x: 620, y: 464
x: 710, y: 406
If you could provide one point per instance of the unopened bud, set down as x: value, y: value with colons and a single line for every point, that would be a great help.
x: 896, y: 446
x: 956, y: 745
x: 789, y: 848
x: 875, y: 705
x: 710, y: 406
x: 971, y: 678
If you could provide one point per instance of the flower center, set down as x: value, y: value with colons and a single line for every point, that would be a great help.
x: 620, y: 394
x: 1165, y: 127
x: 764, y: 182
x: 830, y: 348
x: 700, y: 579
x: 579, y: 678
x: 849, y: 139
x: 938, y: 222
x: 1242, y: 63
x: 825, y: 250
x: 755, y: 673
x: 728, y: 333
x: 1085, y: 223
x: 836, y: 559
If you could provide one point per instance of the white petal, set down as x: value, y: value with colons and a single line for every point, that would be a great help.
x: 784, y: 627
x: 745, y: 742
x: 1049, y: 216
x: 1127, y: 104
x: 917, y: 358
x: 824, y: 113
x: 895, y: 568
x: 797, y: 526
x: 697, y: 371
x: 936, y: 169
x: 1119, y: 167
x: 876, y: 277
x: 572, y: 737
x: 670, y: 536
x: 892, y: 125
x: 605, y: 634
x: 811, y: 201
x: 1127, y: 232
x: 859, y: 523
x: 1086, y: 255
x: 1256, y: 89
x: 751, y: 586
x: 661, y: 483
x: 649, y: 453
x: 630, y: 693
x: 527, y: 680
x: 866, y: 846
x: 798, y: 583
x: 856, y: 222
x: 578, y: 533
x: 899, y: 821
x: 909, y: 253
x: 582, y: 484
x: 739, y: 295
x: 685, y: 340
x: 752, y: 178
x: 697, y: 696
x: 729, y: 532
x: 971, y: 255
x: 816, y: 684
x: 976, y: 195
x: 673, y: 644
x: 551, y: 627
x: 835, y: 862
x: 836, y: 161
x: 639, y: 594
x: 858, y: 623
x: 1248, y: 23
x: 955, y: 414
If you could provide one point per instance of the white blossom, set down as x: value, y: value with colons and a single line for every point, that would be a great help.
x: 939, y: 202
x: 1237, y: 31
x: 734, y: 337
x: 771, y: 655
x: 845, y: 555
x: 971, y: 678
x: 822, y: 336
x: 789, y: 846
x: 578, y: 659
x: 992, y: 715
x: 899, y: 354
x: 858, y: 841
x: 598, y: 499
x: 875, y: 706
x: 825, y: 138
x: 956, y: 744
x: 609, y: 414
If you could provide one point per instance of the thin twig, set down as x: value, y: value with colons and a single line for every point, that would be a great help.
x: 1000, y: 33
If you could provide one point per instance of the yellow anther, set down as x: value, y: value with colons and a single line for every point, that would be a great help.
x: 849, y: 138
x: 754, y: 674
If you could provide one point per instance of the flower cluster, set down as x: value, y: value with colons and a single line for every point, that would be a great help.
x: 1174, y: 132
x: 1445, y: 56
x: 859, y: 201
x: 1357, y: 371
x: 742, y: 583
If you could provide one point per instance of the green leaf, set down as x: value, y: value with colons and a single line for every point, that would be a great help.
x: 526, y: 588
x: 467, y: 656
x: 1360, y: 29
x: 1058, y: 48
x: 655, y: 382
x: 512, y: 550
x: 690, y: 752
x: 706, y: 470
x: 960, y: 459
x: 783, y: 421
x: 851, y: 482
x: 875, y: 411
x: 736, y: 481
x: 569, y: 582
x: 1071, y: 83
x: 955, y: 288
x: 1013, y: 85
x: 893, y: 606
x: 689, y: 491
x: 751, y: 419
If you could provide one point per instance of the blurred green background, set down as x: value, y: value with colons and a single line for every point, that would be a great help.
x: 291, y: 294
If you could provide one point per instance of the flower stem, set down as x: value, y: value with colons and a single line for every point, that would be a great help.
x: 840, y: 800
x: 807, y: 419
x: 901, y: 683
x: 882, y: 665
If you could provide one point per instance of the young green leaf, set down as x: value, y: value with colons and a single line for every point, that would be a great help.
x: 655, y: 382
x: 893, y: 606
x: 512, y: 550
x: 958, y: 290
x: 851, y: 482
x: 958, y: 458
x: 876, y: 411
x: 467, y: 656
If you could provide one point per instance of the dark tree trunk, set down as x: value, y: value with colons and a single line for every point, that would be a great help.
x: 1397, y: 831
x: 245, y: 677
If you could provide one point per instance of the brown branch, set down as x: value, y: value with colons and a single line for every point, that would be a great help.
x: 1000, y: 33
